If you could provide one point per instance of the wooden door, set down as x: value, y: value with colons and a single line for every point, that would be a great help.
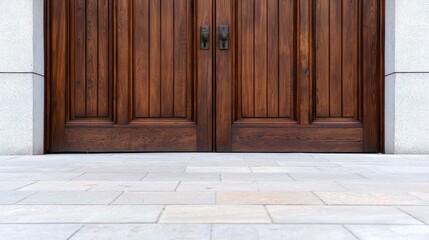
x: 127, y: 75
x: 301, y: 76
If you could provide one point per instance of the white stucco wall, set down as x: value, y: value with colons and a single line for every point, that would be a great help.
x: 21, y: 77
x: 407, y: 76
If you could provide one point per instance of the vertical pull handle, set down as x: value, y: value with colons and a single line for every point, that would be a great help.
x: 204, y: 37
x: 223, y: 37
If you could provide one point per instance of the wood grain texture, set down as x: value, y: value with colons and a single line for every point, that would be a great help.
x: 299, y: 76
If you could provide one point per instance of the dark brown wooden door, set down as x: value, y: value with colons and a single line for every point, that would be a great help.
x: 302, y: 76
x: 126, y: 75
x: 299, y: 76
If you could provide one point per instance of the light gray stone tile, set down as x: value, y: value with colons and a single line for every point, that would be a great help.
x: 218, y: 169
x: 299, y: 186
x: 348, y: 170
x: 13, y: 197
x: 215, y: 214
x: 71, y: 197
x: 290, y: 198
x: 404, y: 169
x: 166, y: 198
x: 37, y: 231
x: 280, y: 232
x: 421, y: 195
x: 144, y: 232
x: 131, y: 168
x: 339, y: 215
x: 36, y: 176
x: 110, y: 177
x: 103, y: 186
x: 370, y: 198
x: 395, y: 177
x: 13, y: 185
x: 421, y: 213
x: 284, y: 170
x: 387, y: 232
x: 35, y: 169
x: 79, y: 214
x: 211, y: 186
x: 327, y: 177
x: 309, y: 163
x: 274, y: 177
x: 386, y: 186
x: 182, y: 177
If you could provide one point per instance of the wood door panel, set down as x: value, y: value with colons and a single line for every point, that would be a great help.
x: 267, y: 59
x: 307, y: 76
x: 162, y: 59
x: 336, y: 50
x: 123, y: 75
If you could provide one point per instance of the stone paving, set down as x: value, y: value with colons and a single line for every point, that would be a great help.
x: 208, y: 196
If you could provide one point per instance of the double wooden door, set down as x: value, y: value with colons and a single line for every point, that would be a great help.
x: 298, y: 75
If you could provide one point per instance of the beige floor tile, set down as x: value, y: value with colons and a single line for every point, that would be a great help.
x: 166, y: 198
x: 280, y: 232
x: 290, y: 198
x: 215, y: 214
x: 369, y: 198
x: 385, y: 186
x: 339, y: 215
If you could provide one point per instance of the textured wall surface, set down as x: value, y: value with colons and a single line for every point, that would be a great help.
x: 407, y: 76
x: 21, y: 77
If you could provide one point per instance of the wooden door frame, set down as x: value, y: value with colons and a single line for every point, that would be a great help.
x: 48, y: 77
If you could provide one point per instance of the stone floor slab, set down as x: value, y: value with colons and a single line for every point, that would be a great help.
x: 188, y: 198
x: 212, y: 186
x: 299, y: 186
x: 421, y: 213
x: 13, y: 185
x: 215, y: 214
x: 79, y: 214
x: 284, y: 170
x: 110, y: 177
x: 218, y: 169
x: 389, y: 232
x: 339, y: 215
x: 13, y: 197
x: 286, y: 198
x: 38, y: 231
x: 144, y: 232
x: 70, y: 198
x: 182, y: 177
x: 38, y: 176
x: 370, y: 198
x: 274, y: 177
x: 280, y: 232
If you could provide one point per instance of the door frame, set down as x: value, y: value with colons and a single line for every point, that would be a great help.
x: 48, y: 75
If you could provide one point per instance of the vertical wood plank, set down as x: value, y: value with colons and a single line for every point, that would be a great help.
x: 322, y: 58
x: 204, y: 73
x: 286, y: 56
x: 141, y: 58
x: 91, y: 58
x: 58, y: 69
x: 370, y: 75
x: 79, y: 58
x: 155, y: 58
x: 167, y: 61
x: 335, y: 63
x: 103, y: 58
x: 247, y: 58
x: 180, y: 56
x: 304, y: 61
x: 261, y: 59
x: 224, y: 79
x: 273, y: 58
x: 350, y: 58
x: 122, y: 77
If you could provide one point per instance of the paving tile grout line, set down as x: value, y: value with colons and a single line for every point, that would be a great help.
x: 409, y: 214
x: 83, y: 225
x: 350, y: 231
